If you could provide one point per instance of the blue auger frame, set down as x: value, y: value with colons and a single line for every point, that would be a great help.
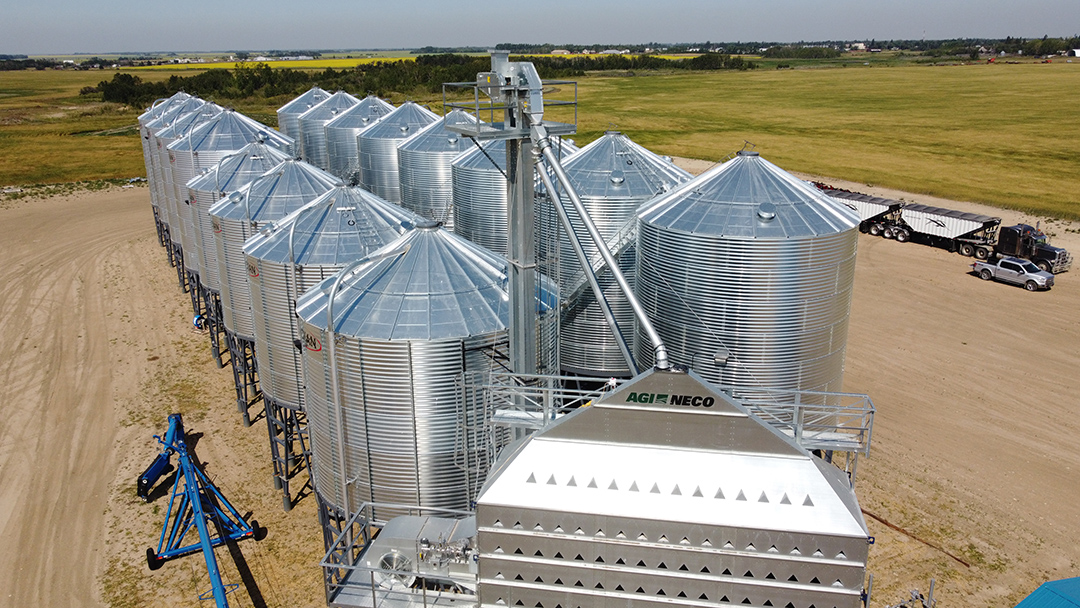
x: 194, y: 501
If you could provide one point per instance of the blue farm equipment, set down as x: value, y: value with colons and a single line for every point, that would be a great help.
x: 194, y: 502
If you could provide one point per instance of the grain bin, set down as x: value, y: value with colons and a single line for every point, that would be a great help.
x: 613, y: 176
x: 170, y: 204
x: 377, y: 148
x: 747, y: 273
x: 312, y: 127
x: 424, y: 167
x: 479, y: 192
x: 291, y: 255
x: 425, y: 308
x: 237, y: 217
x: 207, y: 188
x: 155, y: 169
x: 204, y: 147
x: 150, y: 122
x: 288, y: 114
x: 341, y: 133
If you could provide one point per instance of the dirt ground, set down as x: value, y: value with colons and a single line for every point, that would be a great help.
x: 974, y: 465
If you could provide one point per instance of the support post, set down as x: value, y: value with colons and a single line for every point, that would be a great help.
x: 521, y: 258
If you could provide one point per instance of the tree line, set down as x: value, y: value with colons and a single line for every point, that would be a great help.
x: 423, y: 76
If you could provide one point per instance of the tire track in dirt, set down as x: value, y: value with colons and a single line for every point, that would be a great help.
x: 59, y: 344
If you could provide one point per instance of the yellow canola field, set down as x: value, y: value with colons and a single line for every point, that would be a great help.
x: 310, y: 64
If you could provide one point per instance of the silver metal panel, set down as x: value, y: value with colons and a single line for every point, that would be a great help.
x: 424, y: 168
x: 377, y: 148
x: 694, y: 503
x: 150, y: 123
x: 944, y: 222
x: 229, y: 175
x: 229, y: 237
x: 293, y: 255
x: 288, y: 115
x: 866, y: 206
x: 167, y: 192
x: 613, y: 176
x: 407, y: 326
x: 270, y: 197
x: 341, y: 132
x: 734, y: 199
x: 479, y: 192
x: 205, y: 146
x: 312, y: 123
x: 769, y: 292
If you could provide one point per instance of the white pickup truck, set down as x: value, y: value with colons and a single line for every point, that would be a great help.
x: 1016, y: 271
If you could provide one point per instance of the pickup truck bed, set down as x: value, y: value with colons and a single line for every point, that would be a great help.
x: 1015, y: 271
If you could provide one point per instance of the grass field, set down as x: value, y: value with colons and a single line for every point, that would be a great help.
x: 1006, y: 135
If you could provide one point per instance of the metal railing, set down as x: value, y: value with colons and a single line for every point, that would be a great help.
x: 350, y: 582
x: 818, y: 421
x: 489, y: 111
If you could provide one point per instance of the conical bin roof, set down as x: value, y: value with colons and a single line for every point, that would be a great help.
x: 403, y: 122
x: 277, y: 193
x: 341, y: 226
x: 331, y: 107
x: 162, y: 106
x: 437, y: 286
x: 615, y: 166
x: 437, y: 138
x: 185, y: 123
x: 237, y: 170
x: 304, y: 102
x: 749, y: 197
x: 173, y: 112
x: 362, y: 115
x: 231, y: 130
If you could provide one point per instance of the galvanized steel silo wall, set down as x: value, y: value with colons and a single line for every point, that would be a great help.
x: 273, y: 296
x: 238, y: 217
x: 424, y: 168
x: 378, y: 174
x: 341, y: 132
x: 779, y: 307
x: 232, y: 173
x: 613, y: 176
x: 478, y: 183
x: 313, y: 244
x: 400, y: 416
x: 377, y: 149
x: 288, y: 115
x: 751, y: 264
x: 312, y: 127
x: 229, y: 237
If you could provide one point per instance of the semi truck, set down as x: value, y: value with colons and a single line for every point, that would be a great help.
x: 969, y: 234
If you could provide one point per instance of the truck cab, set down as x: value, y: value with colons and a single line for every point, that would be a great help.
x: 1029, y: 242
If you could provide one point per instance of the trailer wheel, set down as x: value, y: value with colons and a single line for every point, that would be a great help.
x: 1043, y: 265
x: 1031, y: 286
x: 967, y: 250
x: 982, y: 253
x: 876, y: 229
x: 985, y: 274
x: 902, y: 235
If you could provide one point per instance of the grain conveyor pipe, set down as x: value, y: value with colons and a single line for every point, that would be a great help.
x: 543, y: 144
x: 586, y: 267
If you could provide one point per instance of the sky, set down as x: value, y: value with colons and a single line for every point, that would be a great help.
x: 75, y: 26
